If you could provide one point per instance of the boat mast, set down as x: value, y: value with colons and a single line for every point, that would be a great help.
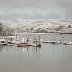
x: 34, y: 38
x: 39, y: 39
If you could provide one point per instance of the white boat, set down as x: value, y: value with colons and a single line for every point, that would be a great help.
x: 52, y: 42
x: 3, y: 42
x: 58, y: 42
x: 36, y: 44
x: 45, y: 41
x: 65, y: 42
x: 68, y: 43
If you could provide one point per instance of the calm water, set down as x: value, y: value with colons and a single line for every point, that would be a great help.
x: 48, y: 58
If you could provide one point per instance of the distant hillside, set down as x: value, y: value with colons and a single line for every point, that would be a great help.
x: 41, y: 26
x: 5, y: 30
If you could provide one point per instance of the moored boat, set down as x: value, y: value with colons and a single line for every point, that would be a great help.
x: 68, y: 43
x: 3, y: 42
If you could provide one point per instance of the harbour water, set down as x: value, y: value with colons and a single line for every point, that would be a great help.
x: 48, y: 58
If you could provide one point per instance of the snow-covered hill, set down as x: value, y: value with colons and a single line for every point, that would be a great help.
x: 39, y: 25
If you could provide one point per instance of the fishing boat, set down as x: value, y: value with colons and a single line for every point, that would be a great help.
x: 37, y: 43
x: 24, y: 43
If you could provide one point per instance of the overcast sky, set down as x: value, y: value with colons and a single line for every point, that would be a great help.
x: 33, y: 9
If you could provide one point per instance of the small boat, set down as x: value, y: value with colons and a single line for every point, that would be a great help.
x: 3, y: 42
x: 53, y: 42
x: 10, y: 43
x: 36, y: 44
x: 65, y: 32
x: 23, y: 45
x: 58, y: 42
x: 68, y: 43
x: 45, y: 42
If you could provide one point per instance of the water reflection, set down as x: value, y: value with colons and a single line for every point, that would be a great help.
x: 50, y: 58
x: 1, y: 48
x: 46, y: 50
x: 19, y: 51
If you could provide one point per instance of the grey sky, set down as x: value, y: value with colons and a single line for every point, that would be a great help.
x: 22, y: 3
x: 67, y: 5
x: 36, y: 8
